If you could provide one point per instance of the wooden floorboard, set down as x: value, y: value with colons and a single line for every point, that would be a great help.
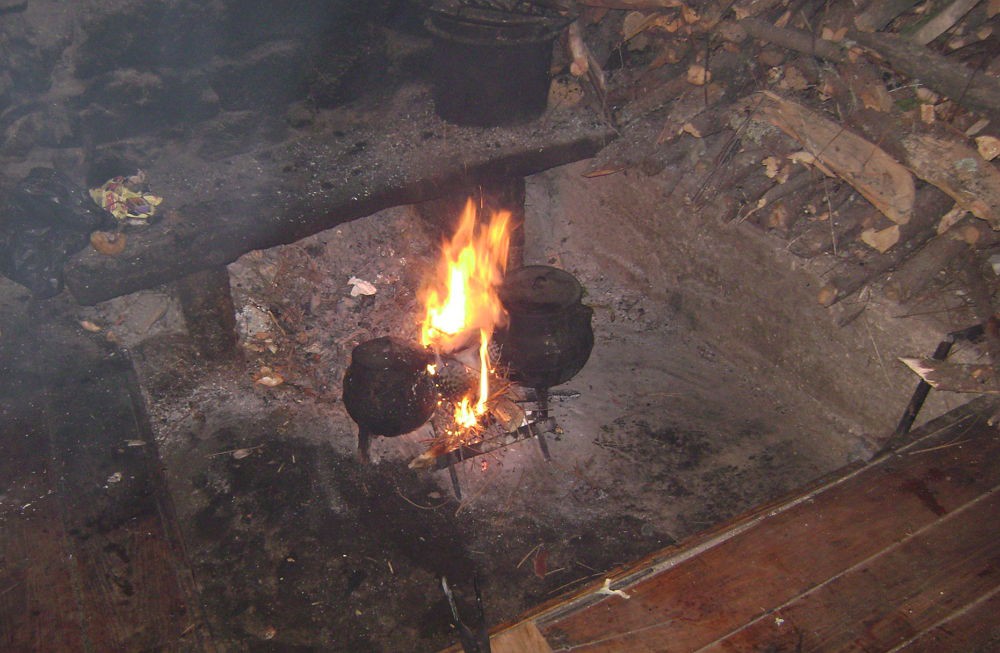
x: 899, y: 554
x: 976, y: 629
x: 90, y: 559
x: 891, y: 597
x: 38, y: 606
x: 695, y: 602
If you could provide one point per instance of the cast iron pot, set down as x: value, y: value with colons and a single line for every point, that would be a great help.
x: 490, y: 67
x: 548, y: 337
x: 387, y: 389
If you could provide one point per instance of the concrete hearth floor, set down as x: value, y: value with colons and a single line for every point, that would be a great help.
x: 716, y: 383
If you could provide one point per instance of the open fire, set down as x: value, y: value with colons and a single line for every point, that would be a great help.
x: 461, y: 300
x: 533, y: 321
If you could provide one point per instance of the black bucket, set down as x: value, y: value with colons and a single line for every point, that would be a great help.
x: 490, y: 67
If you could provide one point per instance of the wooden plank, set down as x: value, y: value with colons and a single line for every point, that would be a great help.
x: 38, y: 607
x: 701, y: 598
x: 522, y: 638
x: 973, y: 630
x: 217, y: 211
x: 130, y: 573
x: 888, y: 599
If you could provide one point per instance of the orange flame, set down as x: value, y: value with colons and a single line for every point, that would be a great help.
x: 462, y: 297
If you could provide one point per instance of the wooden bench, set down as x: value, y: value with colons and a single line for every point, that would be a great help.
x: 216, y: 211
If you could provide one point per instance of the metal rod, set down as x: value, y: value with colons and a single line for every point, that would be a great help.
x: 454, y: 475
x: 923, y: 388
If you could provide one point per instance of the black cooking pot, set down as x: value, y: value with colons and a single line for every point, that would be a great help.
x: 387, y: 389
x: 548, y: 337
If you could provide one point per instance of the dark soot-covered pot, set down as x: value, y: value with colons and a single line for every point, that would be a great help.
x: 387, y: 388
x: 548, y: 338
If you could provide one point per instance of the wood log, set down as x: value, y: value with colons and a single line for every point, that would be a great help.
x: 940, y: 159
x: 793, y: 39
x: 836, y: 150
x: 880, y: 13
x: 943, y: 21
x: 843, y: 224
x: 849, y: 277
x: 970, y: 88
x: 916, y: 273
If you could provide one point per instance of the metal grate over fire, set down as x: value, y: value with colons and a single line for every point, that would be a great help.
x: 492, y: 343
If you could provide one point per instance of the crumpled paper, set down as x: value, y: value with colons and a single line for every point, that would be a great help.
x: 361, y: 287
x: 119, y: 197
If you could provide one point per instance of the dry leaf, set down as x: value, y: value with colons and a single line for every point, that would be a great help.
x: 927, y: 114
x: 698, y: 76
x: 881, y: 240
x: 988, y: 146
x: 268, y: 378
x: 90, y: 326
x: 993, y: 8
x: 109, y: 243
x: 240, y: 454
x: 877, y: 176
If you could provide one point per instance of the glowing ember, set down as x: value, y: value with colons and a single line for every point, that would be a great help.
x: 462, y: 298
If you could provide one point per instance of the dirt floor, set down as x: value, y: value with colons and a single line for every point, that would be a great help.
x: 716, y: 383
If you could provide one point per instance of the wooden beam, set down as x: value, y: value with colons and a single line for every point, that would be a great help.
x: 217, y: 211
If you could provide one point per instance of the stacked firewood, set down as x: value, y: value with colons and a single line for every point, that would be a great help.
x: 866, y: 133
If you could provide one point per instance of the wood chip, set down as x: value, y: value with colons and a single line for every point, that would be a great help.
x: 954, y: 377
x: 988, y: 146
x: 881, y: 239
x: 949, y: 219
x: 698, y: 76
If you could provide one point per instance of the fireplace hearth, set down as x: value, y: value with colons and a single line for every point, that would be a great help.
x: 247, y: 386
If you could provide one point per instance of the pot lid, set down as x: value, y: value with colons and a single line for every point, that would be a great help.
x: 388, y: 353
x: 538, y: 289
